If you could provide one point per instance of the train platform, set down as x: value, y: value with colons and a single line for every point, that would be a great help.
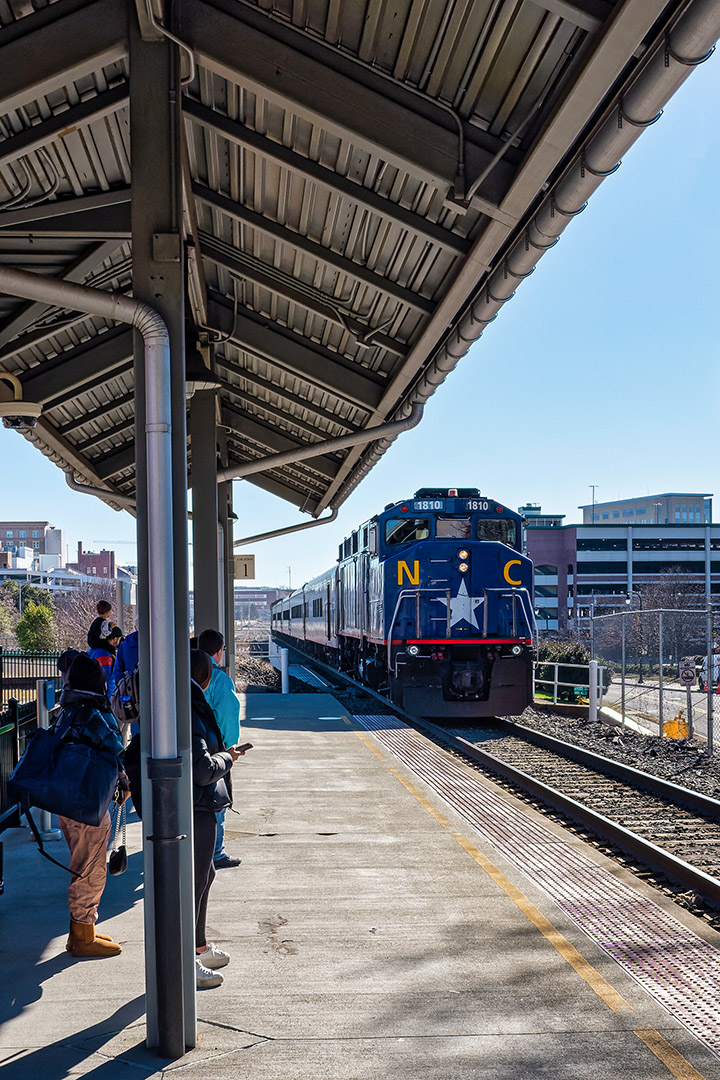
x: 393, y: 916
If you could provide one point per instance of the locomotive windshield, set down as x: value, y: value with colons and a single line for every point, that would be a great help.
x: 406, y: 530
x: 500, y: 529
x: 455, y: 528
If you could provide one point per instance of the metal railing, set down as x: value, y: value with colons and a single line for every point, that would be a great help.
x: 566, y: 692
x: 19, y: 672
x: 17, y: 722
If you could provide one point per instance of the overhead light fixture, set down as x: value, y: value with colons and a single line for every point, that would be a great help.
x: 198, y: 375
x: 18, y: 414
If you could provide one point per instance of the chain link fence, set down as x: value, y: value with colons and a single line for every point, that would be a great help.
x: 659, y: 660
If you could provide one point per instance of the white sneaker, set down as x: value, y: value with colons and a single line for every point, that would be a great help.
x: 205, y: 979
x: 213, y: 957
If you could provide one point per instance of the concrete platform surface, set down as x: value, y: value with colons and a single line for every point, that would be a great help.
x: 366, y: 942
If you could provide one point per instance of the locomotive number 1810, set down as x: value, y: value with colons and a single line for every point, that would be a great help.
x: 476, y: 504
x: 428, y: 504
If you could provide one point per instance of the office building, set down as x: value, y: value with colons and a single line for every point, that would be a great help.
x: 599, y: 566
x: 670, y: 508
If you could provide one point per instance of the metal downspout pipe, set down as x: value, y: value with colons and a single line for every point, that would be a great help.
x: 329, y: 446
x: 125, y: 502
x: 287, y: 530
x: 164, y: 759
x: 688, y: 44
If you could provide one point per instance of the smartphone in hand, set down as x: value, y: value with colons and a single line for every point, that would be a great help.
x: 243, y: 747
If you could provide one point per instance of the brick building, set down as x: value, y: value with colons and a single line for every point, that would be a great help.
x: 40, y: 536
x: 95, y: 564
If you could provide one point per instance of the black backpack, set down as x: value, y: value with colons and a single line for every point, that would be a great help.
x: 125, y: 698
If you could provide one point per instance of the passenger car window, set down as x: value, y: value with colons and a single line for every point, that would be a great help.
x: 406, y: 530
x: 453, y: 528
x: 497, y: 529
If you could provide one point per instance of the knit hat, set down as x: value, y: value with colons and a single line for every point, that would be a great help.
x: 86, y: 674
x: 65, y: 659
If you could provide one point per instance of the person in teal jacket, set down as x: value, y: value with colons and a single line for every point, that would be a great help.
x: 225, y: 703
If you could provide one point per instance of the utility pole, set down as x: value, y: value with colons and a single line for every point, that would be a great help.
x: 593, y: 486
x: 290, y: 578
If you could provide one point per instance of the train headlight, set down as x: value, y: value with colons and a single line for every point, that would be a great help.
x: 516, y: 650
x: 413, y: 650
x: 463, y: 554
x: 463, y: 567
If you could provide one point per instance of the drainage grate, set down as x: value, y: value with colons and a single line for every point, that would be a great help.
x: 674, y: 965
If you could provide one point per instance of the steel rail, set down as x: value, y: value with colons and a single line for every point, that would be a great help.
x: 649, y: 853
x: 693, y: 800
x: 654, y: 856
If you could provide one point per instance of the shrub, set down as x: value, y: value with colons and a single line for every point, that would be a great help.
x: 35, y: 630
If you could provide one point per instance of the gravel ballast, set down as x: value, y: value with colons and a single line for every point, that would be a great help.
x: 683, y: 761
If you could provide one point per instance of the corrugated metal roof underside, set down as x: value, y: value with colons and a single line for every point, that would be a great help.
x: 326, y: 143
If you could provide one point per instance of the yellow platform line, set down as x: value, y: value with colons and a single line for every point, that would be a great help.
x: 671, y: 1058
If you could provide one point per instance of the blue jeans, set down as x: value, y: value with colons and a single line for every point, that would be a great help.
x: 220, y: 852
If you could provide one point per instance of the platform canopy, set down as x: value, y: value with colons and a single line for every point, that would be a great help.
x: 354, y: 174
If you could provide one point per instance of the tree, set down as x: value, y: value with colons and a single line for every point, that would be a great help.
x: 36, y: 628
x: 74, y: 611
x: 8, y: 615
x: 23, y: 593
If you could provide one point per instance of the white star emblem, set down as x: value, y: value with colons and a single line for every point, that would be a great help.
x: 462, y: 607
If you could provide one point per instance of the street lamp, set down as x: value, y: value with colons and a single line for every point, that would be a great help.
x: 593, y: 486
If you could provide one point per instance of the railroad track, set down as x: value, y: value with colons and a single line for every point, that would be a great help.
x: 670, y: 829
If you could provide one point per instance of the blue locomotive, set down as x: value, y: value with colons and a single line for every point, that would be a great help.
x: 430, y: 601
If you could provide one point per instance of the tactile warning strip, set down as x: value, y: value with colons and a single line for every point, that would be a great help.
x: 307, y: 676
x: 674, y: 965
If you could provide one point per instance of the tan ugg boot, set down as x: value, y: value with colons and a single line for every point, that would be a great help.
x: 70, y: 941
x: 85, y: 943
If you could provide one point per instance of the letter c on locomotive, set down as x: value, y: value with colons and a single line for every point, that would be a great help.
x: 506, y: 572
x: 413, y: 575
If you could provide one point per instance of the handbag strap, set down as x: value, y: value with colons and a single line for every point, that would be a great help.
x: 120, y: 828
x: 39, y: 841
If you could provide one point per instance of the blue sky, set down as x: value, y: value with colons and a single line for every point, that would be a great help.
x: 602, y: 370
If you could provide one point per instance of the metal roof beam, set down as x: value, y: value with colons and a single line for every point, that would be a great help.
x: 103, y: 436
x: 405, y: 128
x: 30, y: 312
x: 274, y: 487
x: 250, y: 268
x: 104, y: 216
x: 297, y: 355
x: 96, y: 414
x: 286, y: 417
x: 586, y: 14
x: 63, y: 123
x: 251, y: 427
x: 89, y: 385
x: 325, y: 256
x: 60, y: 44
x: 296, y: 163
x: 68, y: 371
x: 281, y: 392
x: 115, y: 461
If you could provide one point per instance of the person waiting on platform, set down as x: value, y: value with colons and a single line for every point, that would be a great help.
x: 225, y: 703
x: 106, y: 650
x: 212, y: 791
x: 83, y: 704
x: 127, y: 657
x: 101, y: 626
